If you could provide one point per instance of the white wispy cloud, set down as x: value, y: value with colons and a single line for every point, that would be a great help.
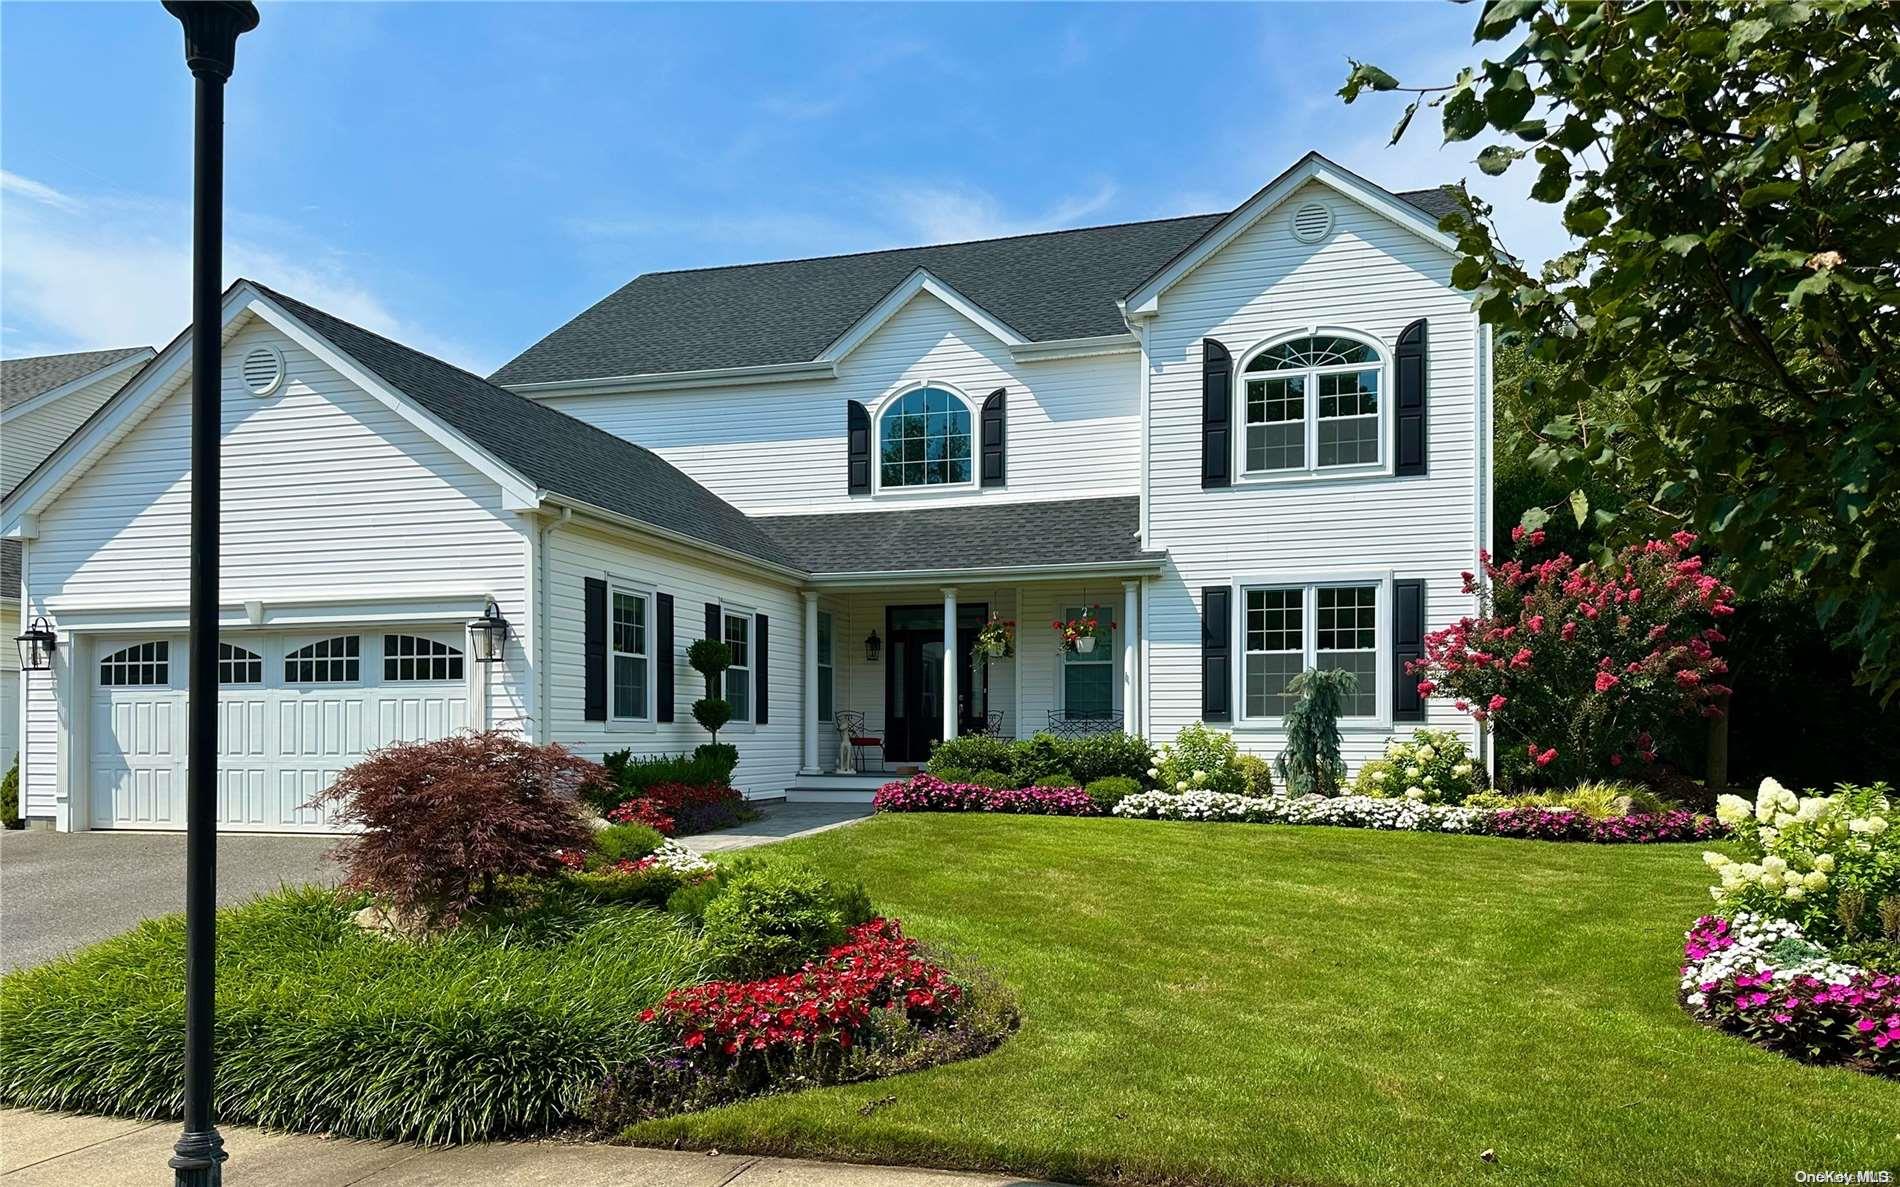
x: 86, y: 272
x: 953, y: 213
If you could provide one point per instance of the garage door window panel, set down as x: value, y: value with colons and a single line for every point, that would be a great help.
x: 142, y: 665
x: 336, y: 660
x: 411, y: 658
x: 239, y: 665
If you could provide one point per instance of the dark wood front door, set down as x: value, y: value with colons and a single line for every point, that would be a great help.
x: 913, y: 678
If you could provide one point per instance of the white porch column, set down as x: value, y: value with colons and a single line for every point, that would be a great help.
x: 1131, y: 676
x: 808, y: 732
x: 949, y: 661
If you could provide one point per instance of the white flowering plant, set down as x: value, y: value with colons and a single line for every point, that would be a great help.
x: 1348, y: 811
x: 1430, y: 767
x: 1199, y: 759
x: 1817, y: 860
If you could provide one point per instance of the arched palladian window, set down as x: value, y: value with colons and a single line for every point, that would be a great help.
x: 924, y: 439
x: 1312, y: 403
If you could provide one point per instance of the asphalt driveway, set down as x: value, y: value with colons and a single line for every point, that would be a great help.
x: 61, y: 891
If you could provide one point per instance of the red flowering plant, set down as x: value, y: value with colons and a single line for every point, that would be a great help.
x: 682, y: 809
x: 746, y: 1029
x: 1579, y: 668
x: 645, y: 810
x: 1090, y: 625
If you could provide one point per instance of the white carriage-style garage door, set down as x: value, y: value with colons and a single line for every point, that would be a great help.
x: 294, y: 710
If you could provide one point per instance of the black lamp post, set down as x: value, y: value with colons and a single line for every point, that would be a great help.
x: 211, y: 32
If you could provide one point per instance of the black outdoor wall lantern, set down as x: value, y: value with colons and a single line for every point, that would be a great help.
x: 489, y: 634
x: 873, y: 647
x: 36, y: 646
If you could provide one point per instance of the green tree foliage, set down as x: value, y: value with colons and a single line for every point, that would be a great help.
x: 710, y: 658
x: 1727, y: 170
x: 1311, y: 763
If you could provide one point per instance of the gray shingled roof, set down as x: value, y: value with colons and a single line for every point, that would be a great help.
x: 554, y: 451
x: 22, y: 379
x: 1046, y: 286
x: 1076, y: 532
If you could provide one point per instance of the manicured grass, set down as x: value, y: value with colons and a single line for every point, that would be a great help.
x: 487, y: 1032
x: 1227, y: 1004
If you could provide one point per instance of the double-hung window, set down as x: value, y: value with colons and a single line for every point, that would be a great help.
x: 1312, y: 404
x: 1286, y: 629
x: 1088, y: 680
x: 738, y: 687
x: 630, y: 655
x: 826, y: 670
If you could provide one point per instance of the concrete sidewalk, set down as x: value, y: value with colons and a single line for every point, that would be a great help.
x: 66, y: 1150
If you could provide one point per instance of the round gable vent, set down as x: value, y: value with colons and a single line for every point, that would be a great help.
x: 263, y: 370
x: 1311, y: 222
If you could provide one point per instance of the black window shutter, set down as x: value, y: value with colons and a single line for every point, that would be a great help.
x: 663, y: 659
x: 759, y: 681
x: 1217, y: 653
x: 715, y: 629
x: 995, y: 427
x: 857, y: 426
x: 1410, y: 366
x: 594, y: 648
x: 1408, y: 643
x: 1217, y: 414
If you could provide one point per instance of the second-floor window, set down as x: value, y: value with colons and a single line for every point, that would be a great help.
x: 925, y: 439
x: 1312, y: 404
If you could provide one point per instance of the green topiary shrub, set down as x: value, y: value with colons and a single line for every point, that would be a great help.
x: 1112, y: 790
x: 772, y: 919
x: 972, y: 752
x: 716, y: 760
x: 10, y: 796
x: 1000, y: 780
x: 1256, y: 774
x: 1199, y: 759
x: 623, y: 842
x: 1057, y: 780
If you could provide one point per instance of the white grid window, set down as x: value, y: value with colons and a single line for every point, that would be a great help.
x: 327, y: 661
x: 1348, y: 637
x: 1312, y: 404
x: 140, y: 665
x: 631, y: 656
x: 1088, y: 681
x: 924, y: 439
x: 411, y: 657
x: 239, y: 665
x: 1276, y: 648
x: 738, y: 687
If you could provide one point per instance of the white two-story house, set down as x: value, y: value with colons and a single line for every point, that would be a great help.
x: 1255, y: 440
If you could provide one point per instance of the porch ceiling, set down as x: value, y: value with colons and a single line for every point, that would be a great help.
x: 1014, y: 539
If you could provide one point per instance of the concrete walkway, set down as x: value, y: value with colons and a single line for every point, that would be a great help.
x: 64, y: 1150
x: 779, y: 822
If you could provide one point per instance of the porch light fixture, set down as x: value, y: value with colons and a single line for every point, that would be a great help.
x: 489, y: 634
x: 873, y: 647
x: 36, y: 647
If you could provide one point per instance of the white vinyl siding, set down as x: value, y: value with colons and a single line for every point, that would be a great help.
x: 31, y: 436
x: 1369, y: 276
x: 1074, y: 424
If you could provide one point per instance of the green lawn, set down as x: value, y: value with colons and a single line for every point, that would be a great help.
x: 1249, y: 1004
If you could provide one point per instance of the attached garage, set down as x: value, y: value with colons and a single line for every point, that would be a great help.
x: 295, y: 709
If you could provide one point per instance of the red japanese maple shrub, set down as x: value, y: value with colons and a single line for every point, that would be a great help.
x: 442, y: 821
x: 1578, y: 668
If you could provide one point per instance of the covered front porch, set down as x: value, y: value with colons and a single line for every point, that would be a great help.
x: 883, y: 693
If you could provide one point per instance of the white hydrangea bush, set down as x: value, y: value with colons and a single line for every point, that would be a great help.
x: 1430, y: 767
x: 1800, y: 852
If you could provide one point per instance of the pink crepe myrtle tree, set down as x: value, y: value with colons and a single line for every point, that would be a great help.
x: 1578, y: 669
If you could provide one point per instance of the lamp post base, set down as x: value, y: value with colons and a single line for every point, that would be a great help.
x: 198, y: 1158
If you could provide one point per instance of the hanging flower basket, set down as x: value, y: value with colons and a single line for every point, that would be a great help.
x: 997, y: 639
x: 1079, y: 634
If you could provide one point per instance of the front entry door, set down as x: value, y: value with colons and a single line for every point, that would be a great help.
x: 913, y: 678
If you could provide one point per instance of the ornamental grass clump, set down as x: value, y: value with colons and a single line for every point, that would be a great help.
x: 1580, y: 669
x: 443, y: 822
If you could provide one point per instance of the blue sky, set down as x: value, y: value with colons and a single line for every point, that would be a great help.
x: 466, y: 177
